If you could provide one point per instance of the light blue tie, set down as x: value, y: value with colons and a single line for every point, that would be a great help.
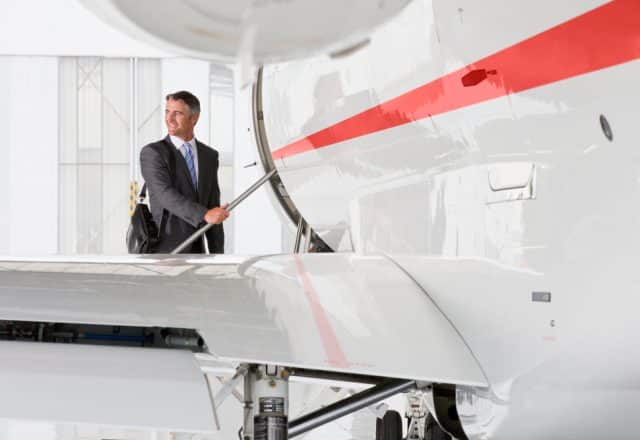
x: 188, y: 156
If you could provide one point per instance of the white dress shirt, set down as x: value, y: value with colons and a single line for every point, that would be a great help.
x: 179, y: 142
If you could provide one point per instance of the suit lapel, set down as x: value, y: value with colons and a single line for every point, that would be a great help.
x: 204, y: 183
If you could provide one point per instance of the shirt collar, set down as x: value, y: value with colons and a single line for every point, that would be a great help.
x: 179, y: 142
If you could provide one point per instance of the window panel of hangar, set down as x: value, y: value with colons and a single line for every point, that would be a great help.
x: 115, y: 211
x: 68, y: 101
x: 116, y: 109
x: 150, y: 104
x: 89, y: 110
x: 68, y: 202
x: 89, y: 209
x: 95, y: 148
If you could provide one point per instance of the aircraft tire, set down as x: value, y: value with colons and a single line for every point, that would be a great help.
x: 433, y: 431
x: 390, y: 427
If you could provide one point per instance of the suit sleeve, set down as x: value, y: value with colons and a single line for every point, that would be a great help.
x: 158, y: 178
x: 215, y: 236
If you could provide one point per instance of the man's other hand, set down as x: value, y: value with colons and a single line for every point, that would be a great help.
x: 217, y: 215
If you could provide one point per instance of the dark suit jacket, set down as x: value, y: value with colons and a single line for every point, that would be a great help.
x: 177, y: 208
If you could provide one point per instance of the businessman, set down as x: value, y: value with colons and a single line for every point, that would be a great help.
x: 182, y: 179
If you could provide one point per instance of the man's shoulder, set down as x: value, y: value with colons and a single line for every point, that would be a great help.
x: 160, y: 145
x: 158, y: 148
x: 207, y: 149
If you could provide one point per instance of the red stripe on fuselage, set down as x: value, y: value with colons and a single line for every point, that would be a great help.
x: 601, y: 38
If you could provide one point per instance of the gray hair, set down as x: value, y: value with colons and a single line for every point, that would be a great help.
x: 188, y: 98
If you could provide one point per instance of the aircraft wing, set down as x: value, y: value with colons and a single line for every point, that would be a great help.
x: 98, y: 385
x: 336, y: 312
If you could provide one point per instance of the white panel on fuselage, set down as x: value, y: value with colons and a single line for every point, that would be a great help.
x: 424, y: 193
x: 330, y: 185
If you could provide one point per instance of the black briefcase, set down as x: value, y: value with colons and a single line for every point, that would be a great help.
x: 142, y: 235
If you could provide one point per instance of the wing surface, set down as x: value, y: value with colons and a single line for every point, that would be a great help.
x: 338, y: 312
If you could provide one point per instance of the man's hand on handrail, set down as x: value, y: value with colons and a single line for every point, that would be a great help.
x: 217, y: 215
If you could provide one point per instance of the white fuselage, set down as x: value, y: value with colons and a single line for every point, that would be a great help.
x: 488, y: 192
x: 476, y: 166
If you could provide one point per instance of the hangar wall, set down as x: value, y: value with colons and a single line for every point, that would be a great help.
x: 72, y: 88
x: 28, y: 95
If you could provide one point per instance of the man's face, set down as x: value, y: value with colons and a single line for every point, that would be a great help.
x: 179, y: 120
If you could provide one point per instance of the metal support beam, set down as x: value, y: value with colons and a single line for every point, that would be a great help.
x: 307, y: 238
x: 296, y: 246
x: 247, y: 419
x: 335, y: 376
x: 346, y: 406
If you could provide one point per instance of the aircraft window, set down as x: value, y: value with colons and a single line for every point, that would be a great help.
x: 606, y: 128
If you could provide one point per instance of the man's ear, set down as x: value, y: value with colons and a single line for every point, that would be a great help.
x: 195, y: 117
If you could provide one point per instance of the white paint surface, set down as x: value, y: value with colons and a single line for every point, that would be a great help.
x: 30, y: 151
x: 193, y: 76
x: 257, y: 225
x: 63, y: 27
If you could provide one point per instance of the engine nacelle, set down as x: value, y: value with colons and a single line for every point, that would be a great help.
x: 257, y: 30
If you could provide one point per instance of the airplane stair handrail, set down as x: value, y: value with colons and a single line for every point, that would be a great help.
x: 231, y: 206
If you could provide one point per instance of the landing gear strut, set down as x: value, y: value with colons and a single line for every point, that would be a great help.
x: 422, y: 425
x: 266, y: 404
